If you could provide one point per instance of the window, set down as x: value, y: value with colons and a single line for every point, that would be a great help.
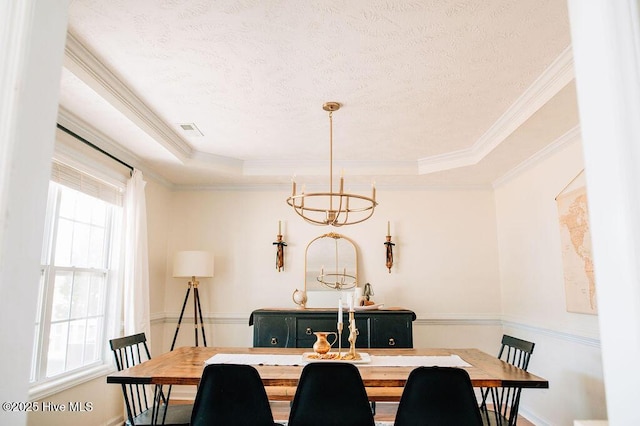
x: 79, y: 283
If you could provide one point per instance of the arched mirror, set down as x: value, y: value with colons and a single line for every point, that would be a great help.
x: 331, y: 263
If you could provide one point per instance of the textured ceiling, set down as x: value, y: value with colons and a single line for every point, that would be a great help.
x: 432, y: 91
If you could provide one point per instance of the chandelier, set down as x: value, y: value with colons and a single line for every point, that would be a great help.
x: 332, y: 208
x: 337, y: 280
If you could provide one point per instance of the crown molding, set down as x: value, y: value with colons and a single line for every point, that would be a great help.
x: 221, y: 163
x: 84, y: 65
x: 320, y: 167
x: 548, y: 84
x: 573, y: 135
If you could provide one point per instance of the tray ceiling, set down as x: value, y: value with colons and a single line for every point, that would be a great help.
x: 453, y: 93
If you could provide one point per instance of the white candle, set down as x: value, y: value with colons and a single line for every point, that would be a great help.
x: 279, y: 227
x: 350, y: 301
x: 340, y: 311
x: 357, y: 294
x: 388, y: 229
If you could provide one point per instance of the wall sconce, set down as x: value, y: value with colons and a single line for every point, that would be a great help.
x: 279, y: 249
x: 389, y: 244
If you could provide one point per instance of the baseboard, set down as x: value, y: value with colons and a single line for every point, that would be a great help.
x: 115, y: 421
x: 523, y: 412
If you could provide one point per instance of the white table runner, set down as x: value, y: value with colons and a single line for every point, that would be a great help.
x: 418, y: 361
x: 376, y: 360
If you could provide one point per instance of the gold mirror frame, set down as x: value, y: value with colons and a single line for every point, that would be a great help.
x: 334, y: 267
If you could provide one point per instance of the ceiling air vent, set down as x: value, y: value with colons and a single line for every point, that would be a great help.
x: 190, y: 129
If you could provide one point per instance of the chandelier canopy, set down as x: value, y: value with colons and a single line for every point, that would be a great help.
x: 332, y: 208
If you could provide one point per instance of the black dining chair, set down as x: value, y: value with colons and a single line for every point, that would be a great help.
x: 506, y: 400
x: 438, y: 396
x: 145, y: 404
x: 330, y: 394
x: 231, y: 395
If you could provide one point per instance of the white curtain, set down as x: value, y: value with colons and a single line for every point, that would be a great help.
x: 136, y: 262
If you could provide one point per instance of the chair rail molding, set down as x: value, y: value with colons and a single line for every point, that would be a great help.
x: 587, y: 337
x: 491, y: 319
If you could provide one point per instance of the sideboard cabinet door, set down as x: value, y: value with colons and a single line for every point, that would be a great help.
x: 274, y: 331
x: 393, y: 332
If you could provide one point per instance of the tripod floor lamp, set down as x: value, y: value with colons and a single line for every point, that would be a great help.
x: 192, y: 264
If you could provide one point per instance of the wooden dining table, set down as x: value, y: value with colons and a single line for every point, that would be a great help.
x: 184, y: 366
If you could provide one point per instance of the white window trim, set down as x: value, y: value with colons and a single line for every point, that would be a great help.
x: 67, y: 153
x: 68, y: 381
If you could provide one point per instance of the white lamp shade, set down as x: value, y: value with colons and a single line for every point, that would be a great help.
x: 193, y: 264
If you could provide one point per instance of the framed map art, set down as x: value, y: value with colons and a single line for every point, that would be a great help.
x: 575, y: 237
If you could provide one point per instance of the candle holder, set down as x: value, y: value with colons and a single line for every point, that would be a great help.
x: 279, y: 251
x: 353, y: 335
x: 389, y: 260
x: 339, y: 339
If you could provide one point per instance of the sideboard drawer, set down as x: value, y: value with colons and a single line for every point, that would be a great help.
x: 306, y: 326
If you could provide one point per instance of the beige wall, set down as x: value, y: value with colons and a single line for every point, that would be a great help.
x: 446, y: 262
x: 158, y: 199
x: 446, y: 256
x: 104, y: 406
x: 567, y: 349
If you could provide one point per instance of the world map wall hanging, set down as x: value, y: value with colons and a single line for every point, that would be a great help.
x: 575, y: 237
